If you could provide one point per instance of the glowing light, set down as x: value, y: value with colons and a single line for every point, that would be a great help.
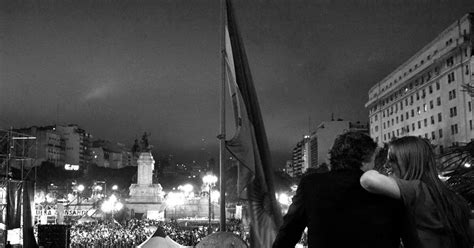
x: 71, y: 167
x: 115, y: 187
x: 113, y: 199
x: 112, y: 204
x: 80, y: 187
x: 186, y: 188
x: 49, y: 198
x: 91, y: 212
x: 284, y: 199
x: 40, y: 197
x: 107, y: 206
x: 215, y: 194
x: 175, y: 198
x: 467, y: 165
x: 209, y: 179
x: 118, y: 206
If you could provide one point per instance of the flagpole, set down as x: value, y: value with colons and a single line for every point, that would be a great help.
x: 222, y: 125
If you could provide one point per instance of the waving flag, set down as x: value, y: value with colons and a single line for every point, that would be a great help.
x: 249, y: 145
x: 13, y: 219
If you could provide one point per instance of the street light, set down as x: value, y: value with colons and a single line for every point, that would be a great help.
x: 80, y: 188
x: 209, y: 180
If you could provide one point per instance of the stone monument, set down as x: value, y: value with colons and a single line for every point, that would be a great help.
x: 145, y: 196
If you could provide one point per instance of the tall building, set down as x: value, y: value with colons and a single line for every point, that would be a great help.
x: 77, y: 144
x: 322, y: 139
x: 313, y: 150
x: 300, y: 158
x: 48, y: 146
x: 424, y: 96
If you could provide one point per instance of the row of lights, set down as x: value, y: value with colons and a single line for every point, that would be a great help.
x: 80, y: 188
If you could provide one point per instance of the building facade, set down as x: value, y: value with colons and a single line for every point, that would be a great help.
x: 424, y: 96
x: 111, y: 155
x: 300, y: 160
x: 48, y: 145
x: 77, y: 143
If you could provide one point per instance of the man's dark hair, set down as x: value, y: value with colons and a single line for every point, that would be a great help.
x: 350, y: 150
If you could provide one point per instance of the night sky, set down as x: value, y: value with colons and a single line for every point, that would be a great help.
x: 118, y: 68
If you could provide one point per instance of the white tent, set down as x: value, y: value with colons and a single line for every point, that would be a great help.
x: 160, y: 240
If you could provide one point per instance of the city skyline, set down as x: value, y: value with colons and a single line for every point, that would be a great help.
x: 121, y: 68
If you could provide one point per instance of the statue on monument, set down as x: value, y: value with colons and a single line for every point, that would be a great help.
x: 142, y: 146
x: 144, y: 194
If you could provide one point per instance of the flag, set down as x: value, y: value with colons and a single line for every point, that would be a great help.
x: 249, y: 144
x: 28, y: 217
x: 13, y: 204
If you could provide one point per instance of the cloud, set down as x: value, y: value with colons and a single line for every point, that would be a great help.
x: 99, y: 92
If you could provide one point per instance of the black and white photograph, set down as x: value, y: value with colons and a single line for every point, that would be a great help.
x: 237, y: 123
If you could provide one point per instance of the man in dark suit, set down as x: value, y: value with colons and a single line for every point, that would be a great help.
x: 338, y: 212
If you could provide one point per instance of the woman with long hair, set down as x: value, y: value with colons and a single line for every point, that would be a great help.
x: 440, y: 216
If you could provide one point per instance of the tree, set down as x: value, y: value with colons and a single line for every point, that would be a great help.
x: 456, y: 164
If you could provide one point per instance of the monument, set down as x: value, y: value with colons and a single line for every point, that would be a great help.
x: 145, y: 196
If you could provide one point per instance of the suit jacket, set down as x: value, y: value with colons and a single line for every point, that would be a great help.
x: 340, y: 213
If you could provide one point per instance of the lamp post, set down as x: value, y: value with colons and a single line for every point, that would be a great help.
x: 209, y: 180
x: 80, y: 188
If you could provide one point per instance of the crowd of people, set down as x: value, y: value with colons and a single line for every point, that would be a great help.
x: 134, y: 232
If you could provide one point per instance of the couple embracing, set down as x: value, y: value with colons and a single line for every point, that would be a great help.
x: 356, y: 206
